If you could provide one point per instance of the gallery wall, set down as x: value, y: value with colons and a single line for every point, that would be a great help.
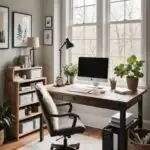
x: 33, y: 7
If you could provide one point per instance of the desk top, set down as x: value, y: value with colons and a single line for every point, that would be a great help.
x: 109, y: 97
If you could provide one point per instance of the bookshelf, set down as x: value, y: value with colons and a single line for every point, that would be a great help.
x: 21, y: 94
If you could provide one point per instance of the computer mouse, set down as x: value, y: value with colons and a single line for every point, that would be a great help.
x: 102, y: 91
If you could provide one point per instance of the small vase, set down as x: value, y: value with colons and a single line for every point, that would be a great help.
x: 71, y: 79
x: 67, y: 82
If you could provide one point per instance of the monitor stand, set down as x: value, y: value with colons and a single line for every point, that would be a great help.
x: 95, y: 84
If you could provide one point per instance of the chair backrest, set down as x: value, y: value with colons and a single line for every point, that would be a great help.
x: 48, y: 108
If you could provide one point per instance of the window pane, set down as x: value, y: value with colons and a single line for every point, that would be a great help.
x: 90, y: 2
x: 78, y: 3
x: 78, y: 32
x: 90, y: 32
x: 117, y: 31
x: 133, y: 30
x: 133, y: 9
x: 113, y: 62
x: 133, y: 47
x: 90, y: 14
x: 78, y: 15
x: 79, y: 47
x: 90, y: 47
x: 117, y: 11
x: 117, y: 48
x: 75, y: 58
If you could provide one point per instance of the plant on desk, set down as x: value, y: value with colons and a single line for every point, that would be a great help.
x: 132, y: 70
x: 6, y: 120
x: 70, y: 71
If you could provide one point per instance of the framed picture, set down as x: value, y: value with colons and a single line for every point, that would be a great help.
x: 48, y: 22
x: 48, y: 37
x: 22, y: 28
x: 4, y: 27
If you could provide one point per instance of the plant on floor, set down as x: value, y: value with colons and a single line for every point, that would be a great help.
x: 132, y: 70
x: 6, y: 119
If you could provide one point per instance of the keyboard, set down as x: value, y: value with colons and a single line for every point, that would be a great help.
x: 79, y: 89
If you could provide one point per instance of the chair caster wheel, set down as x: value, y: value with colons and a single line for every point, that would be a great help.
x: 52, y: 148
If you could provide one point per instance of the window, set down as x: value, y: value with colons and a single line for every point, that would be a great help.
x: 107, y: 28
x: 124, y: 30
x: 83, y: 28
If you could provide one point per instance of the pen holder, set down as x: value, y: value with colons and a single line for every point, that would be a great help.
x: 113, y: 84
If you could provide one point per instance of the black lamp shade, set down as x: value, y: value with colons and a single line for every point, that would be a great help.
x: 69, y: 44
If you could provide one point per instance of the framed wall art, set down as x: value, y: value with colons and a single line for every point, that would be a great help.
x: 22, y: 28
x: 48, y: 37
x: 48, y: 22
x: 4, y: 27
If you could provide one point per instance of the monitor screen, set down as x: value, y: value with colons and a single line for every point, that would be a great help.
x: 93, y: 67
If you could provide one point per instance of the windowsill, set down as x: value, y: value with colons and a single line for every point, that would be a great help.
x: 106, y: 84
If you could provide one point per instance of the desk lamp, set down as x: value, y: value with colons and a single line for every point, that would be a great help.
x: 68, y: 44
x: 34, y: 43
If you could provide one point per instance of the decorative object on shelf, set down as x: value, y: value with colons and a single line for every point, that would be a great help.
x: 132, y: 70
x: 34, y: 43
x: 70, y: 71
x: 24, y: 61
x: 22, y: 28
x: 17, y: 77
x: 68, y: 45
x: 48, y: 21
x: 113, y: 83
x: 4, y: 27
x: 48, y: 37
x: 6, y: 119
x: 28, y: 111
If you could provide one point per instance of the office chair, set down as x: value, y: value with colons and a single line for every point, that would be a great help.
x: 63, y: 125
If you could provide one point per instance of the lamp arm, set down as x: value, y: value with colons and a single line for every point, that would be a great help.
x: 60, y: 49
x: 60, y: 59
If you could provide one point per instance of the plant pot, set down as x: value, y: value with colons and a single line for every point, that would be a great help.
x: 132, y: 83
x: 71, y: 79
x: 1, y: 137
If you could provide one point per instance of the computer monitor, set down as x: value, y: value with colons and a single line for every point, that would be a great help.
x: 93, y: 68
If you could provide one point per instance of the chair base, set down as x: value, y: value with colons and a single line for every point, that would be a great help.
x: 62, y: 147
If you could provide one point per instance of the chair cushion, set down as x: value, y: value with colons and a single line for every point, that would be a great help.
x: 48, y: 107
x: 65, y: 126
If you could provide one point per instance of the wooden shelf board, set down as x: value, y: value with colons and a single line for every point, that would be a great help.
x: 23, y: 134
x: 28, y: 104
x: 30, y: 80
x: 30, y: 116
x: 30, y: 68
x: 26, y: 92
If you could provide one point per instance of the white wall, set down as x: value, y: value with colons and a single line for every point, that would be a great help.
x: 33, y: 7
x: 91, y: 116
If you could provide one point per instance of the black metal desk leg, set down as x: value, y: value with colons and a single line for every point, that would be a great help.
x: 41, y: 128
x: 140, y: 113
x: 122, y: 139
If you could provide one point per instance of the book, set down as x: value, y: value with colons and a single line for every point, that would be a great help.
x: 116, y: 118
x: 122, y: 90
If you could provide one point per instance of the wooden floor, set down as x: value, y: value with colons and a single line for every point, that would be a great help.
x: 91, y: 132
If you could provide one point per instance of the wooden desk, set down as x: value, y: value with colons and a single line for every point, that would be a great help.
x: 108, y: 100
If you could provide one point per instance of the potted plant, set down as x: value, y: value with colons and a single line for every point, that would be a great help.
x: 70, y: 70
x: 132, y: 71
x: 5, y: 119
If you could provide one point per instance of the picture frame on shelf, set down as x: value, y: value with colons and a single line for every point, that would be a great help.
x: 22, y: 28
x: 48, y: 37
x: 4, y: 27
x: 48, y: 21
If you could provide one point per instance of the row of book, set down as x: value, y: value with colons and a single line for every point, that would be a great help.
x: 115, y: 119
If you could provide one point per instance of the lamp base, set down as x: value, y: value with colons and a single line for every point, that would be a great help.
x: 59, y: 81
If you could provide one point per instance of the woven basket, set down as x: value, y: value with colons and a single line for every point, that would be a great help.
x: 134, y: 146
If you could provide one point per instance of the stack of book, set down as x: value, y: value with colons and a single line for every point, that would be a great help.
x: 115, y: 119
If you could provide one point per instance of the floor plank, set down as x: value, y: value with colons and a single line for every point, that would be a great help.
x: 91, y: 132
